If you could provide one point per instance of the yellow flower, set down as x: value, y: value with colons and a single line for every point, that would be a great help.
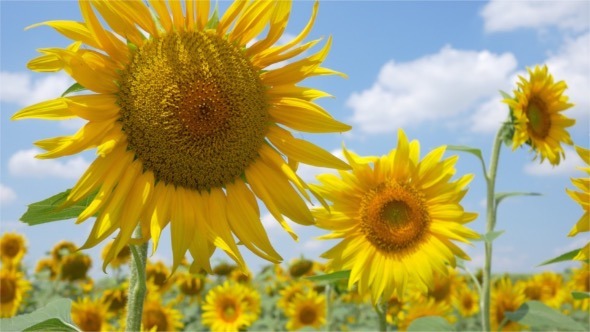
x: 291, y: 290
x: 580, y: 282
x: 546, y: 287
x: 61, y: 249
x: 537, y: 109
x: 241, y: 276
x: 466, y: 301
x: 583, y: 198
x: 116, y: 299
x: 505, y: 297
x: 394, y: 308
x: 306, y: 310
x: 13, y: 288
x: 190, y: 123
x: 226, y: 310
x: 422, y: 308
x: 91, y: 315
x: 252, y: 300
x: 12, y: 249
x: 47, y: 264
x: 158, y: 317
x: 122, y: 258
x: 223, y: 269
x: 190, y: 285
x: 157, y: 275
x: 396, y: 219
x: 444, y: 286
x: 74, y: 267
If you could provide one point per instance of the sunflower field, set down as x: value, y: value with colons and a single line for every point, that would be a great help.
x: 198, y: 124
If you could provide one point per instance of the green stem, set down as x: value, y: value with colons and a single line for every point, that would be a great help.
x: 490, y: 224
x: 328, y: 294
x: 137, y: 287
x: 381, y: 310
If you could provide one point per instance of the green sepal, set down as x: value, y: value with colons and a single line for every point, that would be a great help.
x: 55, y: 316
x: 76, y: 87
x: 214, y: 20
x: 490, y: 236
x: 48, y: 209
x: 331, y: 277
x: 537, y: 315
x: 568, y: 256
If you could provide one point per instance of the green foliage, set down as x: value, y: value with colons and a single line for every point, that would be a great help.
x: 568, y: 256
x: 474, y: 151
x: 501, y: 196
x: 490, y: 236
x: 76, y: 87
x: 331, y: 277
x: 214, y: 20
x: 55, y: 316
x: 538, y: 315
x: 430, y: 323
x: 580, y: 295
x: 49, y: 210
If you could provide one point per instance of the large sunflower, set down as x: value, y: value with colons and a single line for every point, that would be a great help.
x: 190, y: 122
x: 13, y: 288
x: 583, y: 198
x: 12, y: 249
x: 396, y: 219
x: 225, y: 308
x: 537, y: 109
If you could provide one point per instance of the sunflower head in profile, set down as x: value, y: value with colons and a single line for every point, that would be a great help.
x: 159, y: 317
x: 61, y: 249
x: 241, y: 276
x: 397, y: 219
x: 74, y: 267
x: 47, y: 265
x: 115, y: 299
x: 13, y: 288
x: 225, y: 308
x: 13, y: 247
x: 537, y: 109
x: 91, y: 315
x: 191, y: 117
x: 505, y: 296
x: 157, y: 275
x: 306, y: 310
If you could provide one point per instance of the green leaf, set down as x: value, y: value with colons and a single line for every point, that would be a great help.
x: 76, y: 87
x: 505, y: 95
x: 490, y: 236
x: 538, y: 315
x: 214, y: 20
x: 581, y: 295
x: 55, y: 316
x: 568, y: 256
x: 501, y: 196
x: 331, y: 277
x: 47, y: 210
x: 474, y: 151
x: 430, y: 323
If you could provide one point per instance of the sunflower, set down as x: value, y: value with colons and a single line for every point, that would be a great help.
x: 223, y: 269
x: 190, y: 285
x: 74, y: 267
x: 12, y: 249
x: 306, y: 310
x: 423, y: 307
x: 505, y: 297
x: 547, y: 287
x: 190, y: 123
x: 13, y: 288
x: 63, y: 248
x: 122, y: 258
x: 91, y: 315
x: 537, y: 109
x: 583, y: 198
x: 396, y: 219
x: 225, y: 308
x: 47, y: 264
x: 241, y: 276
x: 291, y: 290
x: 157, y: 275
x: 116, y: 299
x: 252, y: 300
x: 466, y: 301
x: 158, y: 317
x: 580, y: 282
x: 444, y: 286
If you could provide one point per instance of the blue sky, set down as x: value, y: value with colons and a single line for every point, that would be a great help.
x: 431, y: 68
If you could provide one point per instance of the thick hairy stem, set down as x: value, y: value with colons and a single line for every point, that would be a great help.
x: 137, y: 287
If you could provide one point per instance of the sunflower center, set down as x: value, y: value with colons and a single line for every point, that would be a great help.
x: 394, y: 217
x: 194, y: 109
x: 467, y: 302
x: 539, y: 119
x: 10, y: 248
x: 155, y: 318
x: 7, y: 290
x: 90, y: 321
x: 229, y: 310
x: 307, y: 315
x: 75, y: 267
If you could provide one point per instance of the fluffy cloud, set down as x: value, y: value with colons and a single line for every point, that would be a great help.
x: 567, y: 167
x: 21, y: 89
x: 7, y: 195
x: 435, y: 87
x: 501, y: 15
x: 23, y: 163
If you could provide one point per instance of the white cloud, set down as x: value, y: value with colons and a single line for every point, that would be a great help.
x: 566, y: 167
x: 489, y: 116
x: 7, y: 195
x: 435, y: 87
x: 23, y: 163
x: 21, y: 89
x: 502, y: 15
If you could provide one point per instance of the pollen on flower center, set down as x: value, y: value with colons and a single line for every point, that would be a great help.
x: 539, y: 120
x: 194, y: 109
x: 229, y: 311
x: 394, y: 217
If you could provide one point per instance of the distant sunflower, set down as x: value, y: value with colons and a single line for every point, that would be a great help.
x: 63, y: 248
x: 13, y: 288
x: 444, y: 286
x: 466, y: 301
x: 12, y: 249
x: 225, y: 308
x: 306, y: 310
x: 396, y: 219
x: 190, y: 122
x: 583, y: 198
x: 291, y: 290
x: 91, y: 315
x: 74, y: 267
x: 122, y: 258
x: 537, y: 109
x: 115, y: 299
x: 158, y: 317
x: 505, y: 297
x: 190, y: 285
x: 580, y: 282
x: 157, y: 275
x: 252, y: 300
x: 47, y: 264
x: 241, y: 276
x: 552, y: 290
x: 423, y: 308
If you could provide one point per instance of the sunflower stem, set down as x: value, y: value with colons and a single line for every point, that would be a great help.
x: 137, y: 287
x: 490, y: 225
x: 381, y: 310
x: 328, y: 293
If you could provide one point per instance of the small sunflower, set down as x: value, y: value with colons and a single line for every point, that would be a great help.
x: 241, y: 276
x: 306, y: 310
x: 47, y: 264
x: 91, y: 315
x: 301, y: 267
x: 583, y: 198
x: 122, y: 258
x: 157, y: 274
x: 505, y: 297
x: 190, y: 122
x: 63, y: 248
x: 158, y: 317
x: 396, y: 219
x: 547, y: 287
x: 12, y: 249
x: 223, y: 269
x: 537, y: 109
x: 466, y: 301
x: 74, y: 267
x: 116, y: 299
x: 291, y: 290
x: 190, y: 285
x: 252, y: 300
x: 580, y: 282
x: 444, y: 286
x: 225, y: 308
x: 422, y: 308
x: 13, y: 288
